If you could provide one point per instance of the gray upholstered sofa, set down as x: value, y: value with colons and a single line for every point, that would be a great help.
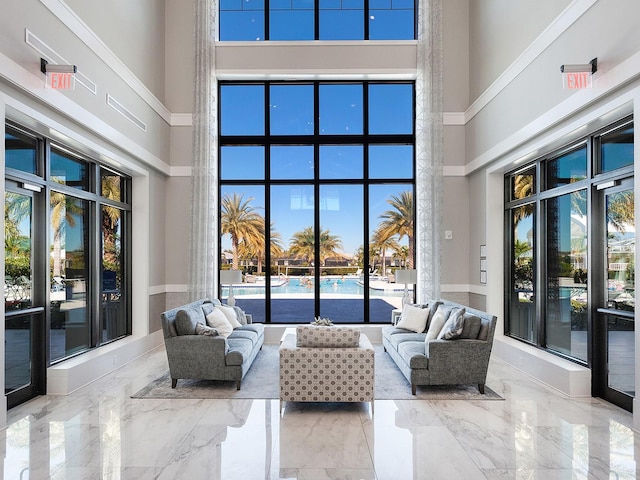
x: 209, y: 357
x: 440, y: 361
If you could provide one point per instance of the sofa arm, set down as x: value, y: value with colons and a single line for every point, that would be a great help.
x: 189, y: 355
x: 458, y: 358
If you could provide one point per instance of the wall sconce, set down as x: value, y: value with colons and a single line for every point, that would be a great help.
x: 229, y: 277
x: 59, y: 77
x: 407, y: 277
x: 577, y: 76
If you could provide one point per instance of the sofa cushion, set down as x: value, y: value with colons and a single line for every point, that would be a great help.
x: 202, y: 329
x: 230, y: 314
x: 239, y: 349
x: 437, y: 322
x: 242, y: 333
x: 187, y: 319
x: 414, y: 318
x: 471, y: 327
x: 253, y: 327
x: 452, y: 329
x: 397, y: 338
x: 327, y: 337
x: 413, y: 354
x: 216, y: 319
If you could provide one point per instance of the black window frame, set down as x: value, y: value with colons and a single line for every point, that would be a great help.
x: 316, y: 140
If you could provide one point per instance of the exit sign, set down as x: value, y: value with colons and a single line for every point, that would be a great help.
x: 61, y: 81
x: 576, y: 80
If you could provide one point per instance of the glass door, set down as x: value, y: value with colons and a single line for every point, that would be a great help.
x: 25, y: 362
x: 614, y: 362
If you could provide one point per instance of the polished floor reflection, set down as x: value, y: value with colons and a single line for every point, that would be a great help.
x: 99, y: 432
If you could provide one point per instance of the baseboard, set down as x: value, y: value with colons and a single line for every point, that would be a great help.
x: 68, y: 376
x: 562, y: 375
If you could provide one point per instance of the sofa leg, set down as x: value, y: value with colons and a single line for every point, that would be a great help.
x: 413, y: 389
x: 385, y: 348
x: 238, y: 384
x: 481, y: 388
x: 174, y: 382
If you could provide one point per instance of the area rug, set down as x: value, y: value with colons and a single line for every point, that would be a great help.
x: 262, y: 381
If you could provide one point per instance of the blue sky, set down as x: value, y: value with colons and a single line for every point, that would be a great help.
x: 342, y: 166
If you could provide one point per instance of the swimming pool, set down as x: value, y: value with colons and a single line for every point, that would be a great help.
x: 302, y: 285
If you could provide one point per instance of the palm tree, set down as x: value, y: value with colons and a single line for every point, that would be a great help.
x: 383, y: 242
x: 255, y: 247
x: 16, y: 209
x: 399, y: 221
x: 620, y: 210
x: 241, y: 221
x: 523, y: 187
x: 111, y: 189
x: 302, y: 245
x: 64, y: 209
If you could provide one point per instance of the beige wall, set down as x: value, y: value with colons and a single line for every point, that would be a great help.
x: 500, y: 31
x: 134, y: 31
x: 538, y: 89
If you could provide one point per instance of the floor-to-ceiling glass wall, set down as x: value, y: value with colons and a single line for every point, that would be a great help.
x: 66, y: 258
x: 571, y: 237
x: 329, y: 167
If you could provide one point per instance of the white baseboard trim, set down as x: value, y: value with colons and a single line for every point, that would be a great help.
x: 68, y: 376
x: 557, y: 373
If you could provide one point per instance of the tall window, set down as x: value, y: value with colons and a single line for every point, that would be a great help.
x: 316, y: 194
x: 257, y: 20
x: 79, y: 271
x: 558, y: 221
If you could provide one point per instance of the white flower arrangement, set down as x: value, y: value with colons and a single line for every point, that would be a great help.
x: 322, y: 322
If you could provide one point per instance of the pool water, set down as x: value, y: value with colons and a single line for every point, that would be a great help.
x: 343, y: 286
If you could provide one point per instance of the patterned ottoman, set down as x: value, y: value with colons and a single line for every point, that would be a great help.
x: 326, y: 364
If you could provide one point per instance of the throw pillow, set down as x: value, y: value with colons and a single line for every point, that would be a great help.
x: 186, y: 320
x: 202, y: 329
x: 231, y: 316
x: 240, y: 315
x: 218, y: 320
x: 471, y: 326
x: 413, y: 318
x: 437, y: 322
x: 452, y: 330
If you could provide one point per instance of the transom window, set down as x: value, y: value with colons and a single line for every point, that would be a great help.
x: 258, y: 20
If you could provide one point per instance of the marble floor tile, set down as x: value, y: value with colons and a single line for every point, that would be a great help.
x: 100, y: 432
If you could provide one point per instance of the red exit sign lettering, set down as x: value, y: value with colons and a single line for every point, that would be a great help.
x: 576, y: 80
x: 61, y: 81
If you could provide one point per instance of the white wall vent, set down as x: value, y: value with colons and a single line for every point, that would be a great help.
x: 118, y: 107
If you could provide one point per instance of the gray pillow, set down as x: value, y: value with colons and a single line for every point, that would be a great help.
x: 207, y: 308
x: 202, y: 329
x: 187, y: 319
x: 471, y: 326
x: 454, y: 326
x: 240, y: 315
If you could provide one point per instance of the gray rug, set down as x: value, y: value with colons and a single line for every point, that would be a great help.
x: 262, y: 381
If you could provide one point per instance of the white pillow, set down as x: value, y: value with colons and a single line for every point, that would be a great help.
x: 413, y: 318
x: 437, y: 322
x: 218, y: 320
x: 231, y: 316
